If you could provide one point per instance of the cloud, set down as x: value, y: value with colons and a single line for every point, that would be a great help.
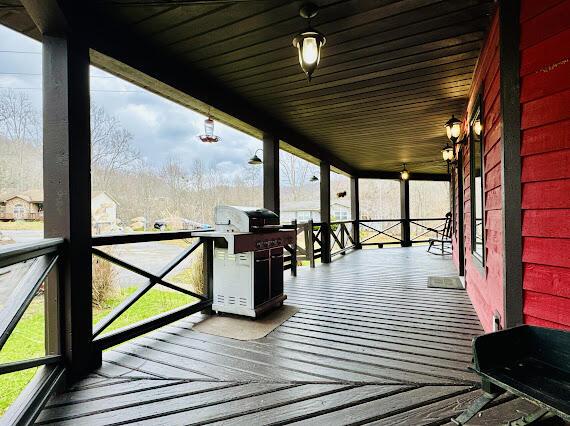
x: 160, y: 127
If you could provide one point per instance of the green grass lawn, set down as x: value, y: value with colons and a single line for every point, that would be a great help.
x: 22, y: 225
x: 27, y: 340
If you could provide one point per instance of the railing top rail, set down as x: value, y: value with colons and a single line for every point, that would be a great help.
x: 140, y: 237
x: 427, y: 218
x: 400, y: 219
x: 338, y: 222
x: 19, y: 252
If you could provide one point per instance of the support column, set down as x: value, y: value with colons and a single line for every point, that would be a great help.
x: 509, y: 58
x: 271, y: 173
x: 355, y: 209
x: 325, y: 212
x: 67, y: 189
x: 405, y: 212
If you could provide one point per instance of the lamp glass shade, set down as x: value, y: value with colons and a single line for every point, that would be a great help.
x: 309, y: 45
x: 477, y: 127
x: 405, y: 175
x: 453, y: 128
x: 447, y: 153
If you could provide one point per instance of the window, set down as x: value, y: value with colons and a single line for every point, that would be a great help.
x: 19, y: 211
x: 340, y: 215
x: 303, y: 216
x: 477, y: 182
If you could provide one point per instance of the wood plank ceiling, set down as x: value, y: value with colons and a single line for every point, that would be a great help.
x: 391, y: 73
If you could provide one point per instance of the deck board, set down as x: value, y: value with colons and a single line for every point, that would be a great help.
x: 370, y: 344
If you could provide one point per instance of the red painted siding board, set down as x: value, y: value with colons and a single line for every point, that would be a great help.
x: 529, y: 319
x: 546, y: 110
x: 551, y: 51
x: 547, y: 166
x: 531, y: 8
x: 558, y: 307
x: 547, y: 138
x: 547, y: 279
x: 552, y: 80
x: 552, y: 194
x: 547, y: 24
x: 547, y: 251
x: 546, y: 223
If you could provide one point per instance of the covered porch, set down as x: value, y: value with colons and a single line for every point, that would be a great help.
x: 371, y: 343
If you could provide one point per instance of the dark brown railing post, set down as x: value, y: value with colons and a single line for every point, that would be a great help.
x: 405, y: 212
x: 325, y: 188
x: 355, y: 210
x: 208, y: 269
x: 294, y: 249
x: 310, y: 243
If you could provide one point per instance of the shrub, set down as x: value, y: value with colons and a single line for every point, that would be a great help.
x: 104, y: 282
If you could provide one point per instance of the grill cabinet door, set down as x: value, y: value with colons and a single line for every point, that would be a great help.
x: 261, y: 277
x: 276, y: 272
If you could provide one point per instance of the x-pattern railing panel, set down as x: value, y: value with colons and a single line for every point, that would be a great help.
x: 152, y: 280
x: 426, y: 230
x: 378, y: 232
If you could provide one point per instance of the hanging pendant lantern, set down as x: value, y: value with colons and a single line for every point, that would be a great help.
x: 255, y: 160
x: 404, y: 174
x: 208, y: 136
x: 314, y: 178
x: 309, y: 42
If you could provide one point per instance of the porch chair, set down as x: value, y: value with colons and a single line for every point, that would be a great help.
x: 527, y: 361
x: 441, y: 244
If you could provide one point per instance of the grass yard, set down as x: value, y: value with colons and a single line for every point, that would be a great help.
x: 21, y: 225
x: 27, y: 340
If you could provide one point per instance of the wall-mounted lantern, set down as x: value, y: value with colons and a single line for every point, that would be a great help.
x: 404, y: 174
x: 309, y: 42
x: 477, y: 127
x: 314, y: 178
x: 453, y: 129
x: 448, y: 154
x: 255, y: 160
x: 208, y: 136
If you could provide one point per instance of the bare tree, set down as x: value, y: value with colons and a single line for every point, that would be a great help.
x: 111, y: 147
x: 295, y: 172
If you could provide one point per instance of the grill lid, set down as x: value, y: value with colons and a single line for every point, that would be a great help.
x: 244, y: 219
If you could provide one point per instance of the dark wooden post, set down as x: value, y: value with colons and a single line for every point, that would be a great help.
x: 294, y: 249
x: 405, y: 212
x: 325, y: 212
x: 509, y: 26
x: 208, y: 269
x: 271, y: 173
x: 310, y: 242
x: 355, y: 210
x: 67, y: 189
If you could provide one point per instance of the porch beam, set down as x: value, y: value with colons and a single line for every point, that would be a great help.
x: 405, y: 212
x: 67, y: 188
x: 379, y: 174
x: 355, y: 210
x: 271, y: 195
x: 509, y: 11
x: 325, y: 187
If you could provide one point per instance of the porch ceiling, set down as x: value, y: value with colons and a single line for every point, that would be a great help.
x: 391, y: 73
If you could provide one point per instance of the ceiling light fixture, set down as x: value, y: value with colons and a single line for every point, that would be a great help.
x: 309, y: 42
x: 404, y: 174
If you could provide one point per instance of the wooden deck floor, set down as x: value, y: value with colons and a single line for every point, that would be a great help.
x: 371, y: 344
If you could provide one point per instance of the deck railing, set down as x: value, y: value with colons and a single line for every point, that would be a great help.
x: 353, y: 234
x: 39, y: 263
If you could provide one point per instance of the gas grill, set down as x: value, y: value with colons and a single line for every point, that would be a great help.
x: 248, y: 260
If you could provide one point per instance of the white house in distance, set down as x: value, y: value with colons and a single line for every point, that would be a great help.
x: 304, y: 211
x: 103, y: 212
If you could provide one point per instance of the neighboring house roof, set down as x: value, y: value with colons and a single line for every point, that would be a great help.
x: 37, y: 195
x: 31, y: 196
x: 309, y: 205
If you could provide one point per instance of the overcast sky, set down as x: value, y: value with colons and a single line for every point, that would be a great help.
x: 159, y: 126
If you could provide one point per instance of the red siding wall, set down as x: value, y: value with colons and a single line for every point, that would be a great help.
x: 484, y: 285
x: 545, y: 151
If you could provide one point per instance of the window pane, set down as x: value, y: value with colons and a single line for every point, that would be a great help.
x: 477, y: 209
